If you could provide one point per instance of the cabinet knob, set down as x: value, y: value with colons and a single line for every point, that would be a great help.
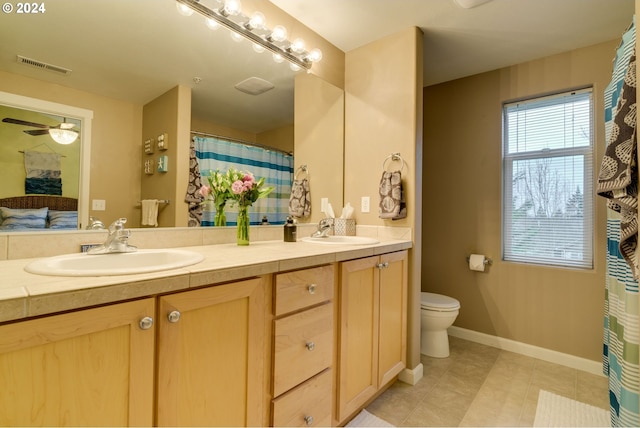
x: 310, y: 346
x: 146, y: 323
x: 308, y: 420
x: 312, y: 288
x: 173, y: 316
x: 382, y: 265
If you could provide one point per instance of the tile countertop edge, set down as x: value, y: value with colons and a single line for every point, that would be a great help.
x: 39, y: 295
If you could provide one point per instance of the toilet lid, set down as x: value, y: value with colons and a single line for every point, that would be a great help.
x: 438, y: 301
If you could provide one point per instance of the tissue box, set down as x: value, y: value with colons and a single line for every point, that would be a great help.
x: 344, y: 226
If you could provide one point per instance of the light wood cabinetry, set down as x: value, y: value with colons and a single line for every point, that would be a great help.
x: 303, y: 347
x: 88, y: 368
x: 373, y: 326
x: 211, y: 356
x: 299, y: 348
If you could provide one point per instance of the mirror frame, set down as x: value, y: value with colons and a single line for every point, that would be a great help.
x: 85, y: 117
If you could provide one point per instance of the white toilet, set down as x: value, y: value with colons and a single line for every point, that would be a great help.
x: 437, y: 313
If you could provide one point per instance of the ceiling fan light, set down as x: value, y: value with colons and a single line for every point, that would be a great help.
x: 63, y: 136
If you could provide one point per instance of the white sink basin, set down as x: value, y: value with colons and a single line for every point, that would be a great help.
x: 342, y: 240
x: 141, y: 261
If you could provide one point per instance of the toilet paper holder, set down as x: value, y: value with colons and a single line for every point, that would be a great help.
x: 487, y: 261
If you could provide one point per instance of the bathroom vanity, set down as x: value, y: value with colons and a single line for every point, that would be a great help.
x: 271, y: 334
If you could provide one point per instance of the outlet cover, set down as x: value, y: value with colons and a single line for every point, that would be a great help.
x: 365, y: 204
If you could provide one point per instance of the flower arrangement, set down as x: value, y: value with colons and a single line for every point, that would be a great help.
x: 218, y: 192
x: 244, y: 189
x: 239, y: 187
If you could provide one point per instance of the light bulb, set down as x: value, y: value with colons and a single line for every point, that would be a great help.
x: 297, y: 46
x: 184, y: 10
x: 212, y: 24
x: 231, y: 7
x: 294, y: 67
x: 257, y: 21
x: 236, y: 37
x: 279, y: 34
x: 315, y: 55
x: 258, y: 48
x: 277, y: 58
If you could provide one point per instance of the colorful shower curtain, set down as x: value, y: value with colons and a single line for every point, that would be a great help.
x: 277, y: 168
x: 621, y: 329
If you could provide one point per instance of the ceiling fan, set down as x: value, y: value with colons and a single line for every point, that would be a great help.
x: 63, y: 133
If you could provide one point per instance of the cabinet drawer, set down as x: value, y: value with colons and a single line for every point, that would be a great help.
x: 303, y: 288
x: 307, y: 405
x: 303, y: 347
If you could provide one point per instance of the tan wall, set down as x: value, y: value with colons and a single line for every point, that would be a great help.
x: 319, y: 134
x: 383, y: 110
x: 279, y: 138
x: 168, y: 114
x: 554, y: 308
x: 116, y: 136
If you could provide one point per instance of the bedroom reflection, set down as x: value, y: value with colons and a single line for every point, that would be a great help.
x: 33, y: 164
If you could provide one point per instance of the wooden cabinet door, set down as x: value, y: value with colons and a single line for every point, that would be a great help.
x: 87, y: 368
x: 393, y: 316
x: 211, y: 356
x: 358, y: 352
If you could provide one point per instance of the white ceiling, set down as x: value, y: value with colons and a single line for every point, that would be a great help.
x: 135, y: 50
x: 461, y: 42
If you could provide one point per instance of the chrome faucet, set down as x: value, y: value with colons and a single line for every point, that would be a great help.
x: 95, y: 224
x: 117, y: 241
x: 324, y: 226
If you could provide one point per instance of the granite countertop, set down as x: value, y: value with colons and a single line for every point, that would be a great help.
x: 24, y: 295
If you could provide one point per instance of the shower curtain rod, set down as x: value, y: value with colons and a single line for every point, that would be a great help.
x: 235, y: 140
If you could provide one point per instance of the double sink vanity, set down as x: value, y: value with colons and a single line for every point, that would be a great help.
x: 276, y: 333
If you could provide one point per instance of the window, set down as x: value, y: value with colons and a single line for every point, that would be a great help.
x: 548, y: 174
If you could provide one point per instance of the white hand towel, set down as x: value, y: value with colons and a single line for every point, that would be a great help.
x: 150, y: 212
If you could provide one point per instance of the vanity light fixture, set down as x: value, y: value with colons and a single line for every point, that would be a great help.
x: 63, y: 136
x: 254, y: 28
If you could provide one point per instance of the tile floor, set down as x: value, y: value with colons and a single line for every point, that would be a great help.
x: 480, y: 385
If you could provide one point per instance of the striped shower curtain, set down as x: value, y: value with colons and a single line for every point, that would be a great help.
x: 621, y: 330
x: 275, y: 166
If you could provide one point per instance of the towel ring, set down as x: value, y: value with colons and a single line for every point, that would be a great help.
x: 302, y: 169
x: 393, y: 157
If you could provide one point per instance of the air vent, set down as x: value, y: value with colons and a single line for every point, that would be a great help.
x: 254, y: 86
x: 42, y: 65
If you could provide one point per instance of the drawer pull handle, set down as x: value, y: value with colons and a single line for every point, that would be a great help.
x: 312, y: 288
x: 310, y: 346
x: 146, y: 323
x: 308, y: 420
x: 174, y: 316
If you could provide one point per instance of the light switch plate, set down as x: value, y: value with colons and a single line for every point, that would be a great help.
x: 323, y: 204
x: 98, y: 205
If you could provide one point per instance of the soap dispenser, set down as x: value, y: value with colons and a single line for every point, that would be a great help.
x: 290, y: 230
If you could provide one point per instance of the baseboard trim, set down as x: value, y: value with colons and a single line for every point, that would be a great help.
x: 411, y: 376
x: 549, y: 355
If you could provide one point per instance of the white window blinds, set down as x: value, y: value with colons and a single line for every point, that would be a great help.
x: 547, y: 180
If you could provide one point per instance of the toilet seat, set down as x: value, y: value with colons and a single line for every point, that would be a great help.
x: 438, y: 302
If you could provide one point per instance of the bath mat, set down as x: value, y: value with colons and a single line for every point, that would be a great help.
x: 366, y: 419
x: 557, y: 411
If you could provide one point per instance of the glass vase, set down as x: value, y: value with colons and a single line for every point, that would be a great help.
x: 220, y: 219
x: 243, y: 226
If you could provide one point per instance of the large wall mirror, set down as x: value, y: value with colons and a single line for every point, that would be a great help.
x: 113, y: 57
